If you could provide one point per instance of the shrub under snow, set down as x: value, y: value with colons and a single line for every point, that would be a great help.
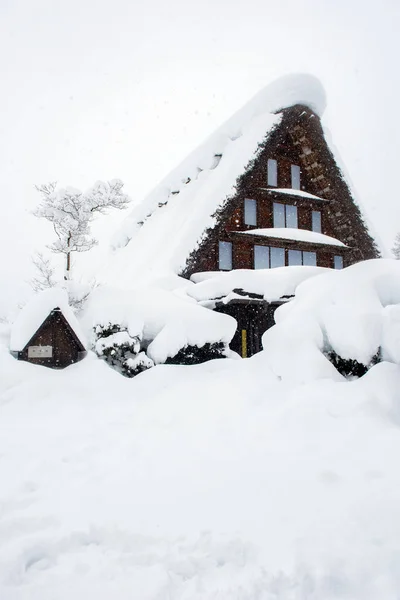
x: 133, y: 330
x: 351, y: 317
x: 121, y: 350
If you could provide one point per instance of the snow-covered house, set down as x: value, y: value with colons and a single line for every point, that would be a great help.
x: 266, y: 190
x: 46, y: 332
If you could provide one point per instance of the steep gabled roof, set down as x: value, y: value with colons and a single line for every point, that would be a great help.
x: 36, y: 312
x: 161, y: 233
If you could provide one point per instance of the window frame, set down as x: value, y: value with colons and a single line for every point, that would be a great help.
x: 338, y: 256
x: 295, y: 169
x: 225, y: 244
x: 270, y: 251
x: 316, y: 212
x: 255, y: 252
x: 246, y: 212
x: 302, y: 253
x: 284, y: 205
x: 272, y: 172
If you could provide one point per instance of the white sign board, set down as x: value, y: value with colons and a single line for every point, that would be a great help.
x: 40, y: 351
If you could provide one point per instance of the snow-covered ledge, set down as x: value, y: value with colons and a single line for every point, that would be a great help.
x: 293, y: 192
x: 299, y: 235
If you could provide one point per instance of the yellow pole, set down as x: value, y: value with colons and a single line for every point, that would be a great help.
x: 244, y: 343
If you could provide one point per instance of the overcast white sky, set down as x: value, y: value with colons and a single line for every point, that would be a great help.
x: 96, y: 89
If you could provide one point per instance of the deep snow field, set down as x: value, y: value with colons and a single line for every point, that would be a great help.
x: 224, y: 481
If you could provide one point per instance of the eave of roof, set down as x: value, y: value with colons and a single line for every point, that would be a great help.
x: 294, y: 193
x: 291, y: 235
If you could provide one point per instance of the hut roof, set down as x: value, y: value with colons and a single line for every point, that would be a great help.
x: 35, y: 313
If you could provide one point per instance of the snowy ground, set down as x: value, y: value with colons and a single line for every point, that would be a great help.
x: 217, y: 481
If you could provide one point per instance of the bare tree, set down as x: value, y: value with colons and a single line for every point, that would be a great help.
x: 396, y: 246
x: 71, y: 212
x: 45, y: 273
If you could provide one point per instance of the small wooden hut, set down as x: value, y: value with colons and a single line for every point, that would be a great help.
x: 46, y: 333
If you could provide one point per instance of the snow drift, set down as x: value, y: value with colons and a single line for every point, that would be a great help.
x: 353, y: 312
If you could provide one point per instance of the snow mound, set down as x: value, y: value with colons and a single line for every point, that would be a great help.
x: 271, y: 284
x: 354, y: 312
x: 36, y: 311
x: 186, y: 201
x: 162, y: 319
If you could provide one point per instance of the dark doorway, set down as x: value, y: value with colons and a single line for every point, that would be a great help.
x: 253, y: 318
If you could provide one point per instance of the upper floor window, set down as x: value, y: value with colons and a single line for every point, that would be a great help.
x: 298, y: 257
x: 295, y: 172
x: 250, y: 212
x: 285, y: 215
x: 316, y: 221
x: 338, y: 262
x: 225, y: 256
x: 272, y: 172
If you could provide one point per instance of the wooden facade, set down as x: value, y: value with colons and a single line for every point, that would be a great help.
x: 54, y: 344
x: 299, y: 141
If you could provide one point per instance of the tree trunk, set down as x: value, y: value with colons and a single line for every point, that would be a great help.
x: 68, y: 257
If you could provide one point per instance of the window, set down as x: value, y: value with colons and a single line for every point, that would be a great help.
x: 225, y: 256
x: 310, y: 259
x: 272, y: 172
x: 279, y: 215
x: 295, y: 172
x: 291, y: 216
x: 261, y: 257
x: 250, y: 212
x: 316, y: 221
x: 285, y: 215
x: 266, y: 257
x: 338, y: 262
x: 297, y: 257
x: 277, y: 257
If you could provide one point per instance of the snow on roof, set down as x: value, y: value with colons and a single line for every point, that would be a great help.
x: 186, y: 200
x: 292, y: 192
x: 300, y: 235
x: 271, y: 284
x: 36, y: 311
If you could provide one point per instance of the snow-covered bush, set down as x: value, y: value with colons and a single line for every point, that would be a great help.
x: 126, y: 354
x: 120, y: 349
x: 194, y: 355
x: 350, y: 367
x: 136, y: 329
